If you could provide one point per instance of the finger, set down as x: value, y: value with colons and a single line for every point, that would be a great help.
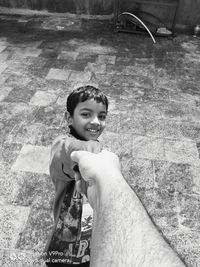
x: 77, y: 155
x: 77, y: 176
x: 84, y: 186
x: 78, y: 186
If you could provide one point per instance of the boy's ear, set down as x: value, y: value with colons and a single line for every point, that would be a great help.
x: 68, y: 118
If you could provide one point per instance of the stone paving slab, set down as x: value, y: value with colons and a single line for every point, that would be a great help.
x: 2, y: 47
x: 58, y: 74
x: 79, y: 76
x: 3, y: 66
x: 106, y: 59
x: 13, y: 220
x: 69, y: 55
x: 181, y: 151
x: 33, y: 159
x: 4, y: 91
x: 42, y: 98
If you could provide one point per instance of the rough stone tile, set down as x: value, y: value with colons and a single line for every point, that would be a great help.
x: 4, y: 91
x: 164, y: 209
x: 25, y: 133
x: 132, y: 93
x: 3, y: 78
x: 12, y: 223
x: 61, y: 101
x: 131, y: 125
x: 31, y: 189
x: 113, y: 92
x: 79, y: 76
x: 42, y: 98
x: 92, y: 48
x: 18, y: 80
x: 147, y: 70
x: 68, y: 55
x: 3, y: 40
x: 142, y: 81
x: 191, y: 131
x: 8, y: 180
x: 148, y: 147
x: 114, y: 70
x: 36, y: 134
x: 189, y: 211
x: 113, y: 105
x: 140, y: 173
x: 38, y: 70
x: 58, y: 74
x: 147, y: 197
x: 196, y: 179
x: 186, y: 243
x: 3, y: 66
x: 104, y: 79
x: 2, y: 47
x: 27, y: 52
x: 175, y: 178
x: 16, y: 68
x: 36, y: 231
x: 156, y: 94
x: 95, y: 67
x: 163, y: 128
x: 14, y: 111
x: 29, y: 45
x: 50, y: 116
x: 182, y: 151
x: 106, y: 59
x: 138, y: 110
x: 33, y: 159
x: 17, y: 94
x: 185, y: 97
x: 194, y: 114
x: 50, y: 54
x: 174, y: 110
x: 119, y: 144
x: 135, y: 109
x: 8, y: 184
x: 113, y: 123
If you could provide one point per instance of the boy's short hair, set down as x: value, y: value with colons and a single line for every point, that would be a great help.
x: 84, y: 93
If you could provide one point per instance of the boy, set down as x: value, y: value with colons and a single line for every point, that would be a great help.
x: 69, y: 244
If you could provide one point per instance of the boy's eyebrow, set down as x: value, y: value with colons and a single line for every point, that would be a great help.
x: 88, y: 109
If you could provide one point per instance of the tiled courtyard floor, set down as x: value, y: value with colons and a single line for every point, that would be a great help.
x: 153, y: 124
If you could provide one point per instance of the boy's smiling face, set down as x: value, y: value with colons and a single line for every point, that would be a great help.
x: 88, y: 119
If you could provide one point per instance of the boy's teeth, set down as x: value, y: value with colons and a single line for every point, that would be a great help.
x: 92, y: 130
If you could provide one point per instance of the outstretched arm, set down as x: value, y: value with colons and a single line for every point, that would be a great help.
x: 123, y: 234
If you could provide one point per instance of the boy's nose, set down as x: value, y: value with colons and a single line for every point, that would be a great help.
x: 95, y: 120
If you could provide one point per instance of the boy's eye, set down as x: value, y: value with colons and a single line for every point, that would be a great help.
x: 85, y: 115
x: 102, y: 117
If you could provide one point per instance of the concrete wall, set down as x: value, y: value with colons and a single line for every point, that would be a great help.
x: 188, y: 13
x: 101, y: 7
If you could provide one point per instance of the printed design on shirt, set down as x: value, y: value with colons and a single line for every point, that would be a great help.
x: 71, y: 238
x: 69, y: 223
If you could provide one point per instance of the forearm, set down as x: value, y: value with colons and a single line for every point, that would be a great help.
x: 123, y: 234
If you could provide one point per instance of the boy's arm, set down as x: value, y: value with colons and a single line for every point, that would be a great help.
x: 61, y: 165
x: 79, y: 145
